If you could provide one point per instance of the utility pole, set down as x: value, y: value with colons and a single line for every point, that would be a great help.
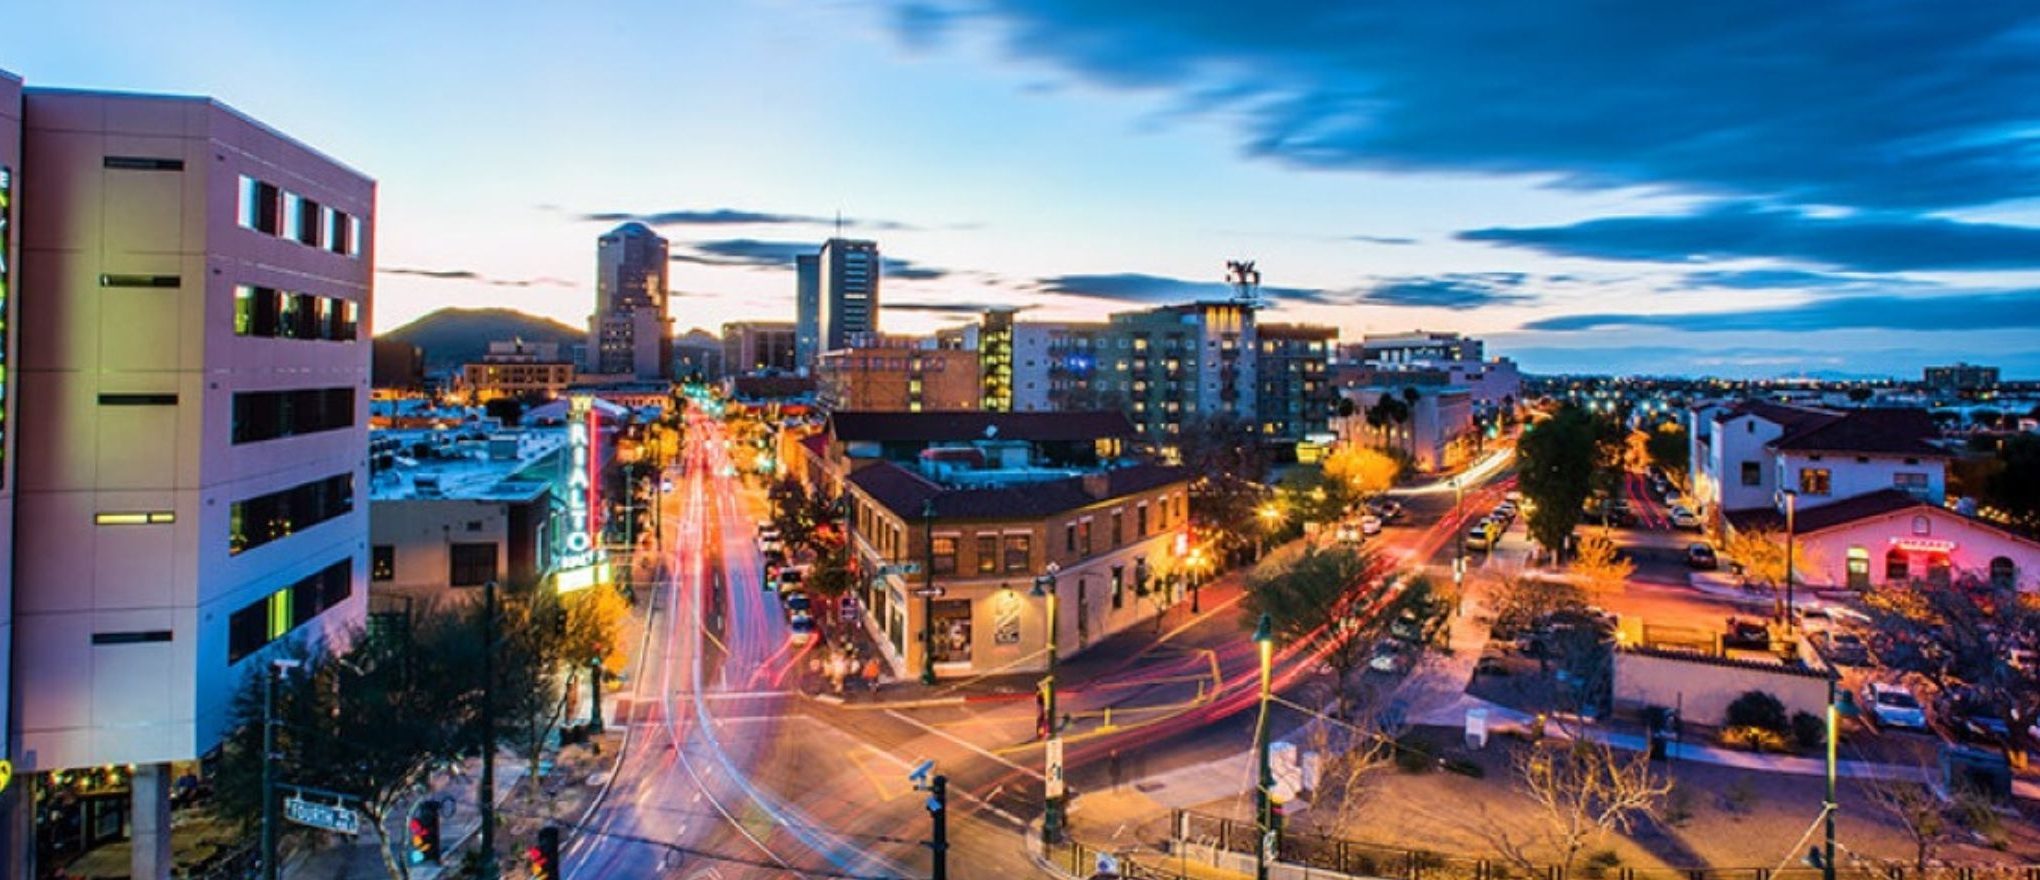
x: 1791, y: 511
x: 488, y: 793
x: 928, y: 594
x: 270, y: 868
x: 1264, y: 788
x: 1052, y: 795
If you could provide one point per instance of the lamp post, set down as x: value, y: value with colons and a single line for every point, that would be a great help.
x: 1052, y: 796
x: 275, y: 671
x: 1269, y: 517
x: 1264, y: 801
x: 1791, y: 511
x: 1827, y: 866
x: 1194, y: 562
x: 928, y: 594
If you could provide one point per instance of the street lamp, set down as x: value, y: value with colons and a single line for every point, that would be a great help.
x: 276, y: 670
x: 1190, y: 567
x: 1052, y: 796
x: 1791, y: 511
x: 1269, y: 517
x: 1264, y: 800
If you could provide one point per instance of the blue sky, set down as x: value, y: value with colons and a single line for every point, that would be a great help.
x: 1740, y: 188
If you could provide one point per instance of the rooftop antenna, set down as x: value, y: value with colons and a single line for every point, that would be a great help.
x: 839, y: 222
x: 1245, y: 281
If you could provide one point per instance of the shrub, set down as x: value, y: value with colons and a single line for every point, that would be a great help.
x: 1598, y: 864
x: 1808, y: 730
x: 1465, y: 768
x: 1760, y: 710
x: 1411, y: 756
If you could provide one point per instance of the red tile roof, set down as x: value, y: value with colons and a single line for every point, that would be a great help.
x: 1835, y: 513
x: 1876, y: 431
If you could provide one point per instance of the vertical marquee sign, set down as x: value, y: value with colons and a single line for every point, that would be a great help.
x: 582, y: 564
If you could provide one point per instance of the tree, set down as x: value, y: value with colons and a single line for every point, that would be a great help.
x: 1558, y: 460
x: 2015, y: 489
x: 1320, y: 601
x: 790, y: 508
x: 368, y: 720
x: 529, y: 693
x: 1600, y: 563
x: 595, y: 627
x: 1667, y: 449
x: 1859, y: 393
x: 1312, y: 496
x: 1361, y: 471
x: 1963, y: 638
x: 1226, y: 496
x: 832, y: 575
x: 1761, y: 553
x: 1584, y: 789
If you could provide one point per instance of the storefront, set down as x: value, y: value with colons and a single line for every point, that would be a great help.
x: 1915, y: 543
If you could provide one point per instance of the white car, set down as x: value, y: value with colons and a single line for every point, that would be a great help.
x: 1370, y: 525
x: 1684, y: 519
x: 1894, y: 706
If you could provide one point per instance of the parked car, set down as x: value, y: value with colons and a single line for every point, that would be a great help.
x: 1390, y: 658
x: 1894, y: 706
x: 1685, y: 519
x: 1370, y: 524
x: 801, y: 627
x: 1748, y: 635
x: 1847, y: 649
x: 1506, y: 510
x: 796, y: 601
x: 1480, y: 535
x: 1388, y: 509
x: 1513, y: 496
x: 1702, y: 557
x: 790, y: 577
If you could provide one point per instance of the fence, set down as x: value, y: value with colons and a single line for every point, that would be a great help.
x: 1358, y: 859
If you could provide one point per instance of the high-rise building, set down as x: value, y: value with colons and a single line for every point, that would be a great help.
x: 1295, y: 395
x: 807, y: 309
x: 630, y: 332
x: 15, y: 800
x: 1183, y: 363
x: 754, y: 346
x: 194, y: 396
x: 1960, y: 377
x: 849, y: 274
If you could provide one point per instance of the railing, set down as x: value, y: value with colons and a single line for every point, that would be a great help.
x: 1396, y: 863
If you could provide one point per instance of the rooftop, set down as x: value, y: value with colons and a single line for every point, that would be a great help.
x: 907, y: 493
x: 464, y: 469
x: 1886, y: 431
x: 930, y: 427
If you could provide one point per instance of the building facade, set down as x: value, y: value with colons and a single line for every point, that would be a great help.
x: 518, y: 369
x: 807, y: 310
x: 449, y: 515
x: 194, y: 398
x: 894, y: 379
x: 1960, y: 377
x: 1414, y: 347
x: 848, y: 273
x: 15, y: 835
x: 760, y: 346
x: 1438, y: 434
x: 630, y: 333
x: 1294, y: 393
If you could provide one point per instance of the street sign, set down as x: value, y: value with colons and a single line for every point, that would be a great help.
x: 903, y: 569
x: 930, y: 592
x: 848, y: 609
x: 1054, y: 778
x: 329, y: 817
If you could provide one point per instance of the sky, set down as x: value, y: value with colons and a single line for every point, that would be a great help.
x: 1733, y: 188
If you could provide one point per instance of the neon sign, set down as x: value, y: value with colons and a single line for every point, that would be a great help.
x: 581, y: 566
x: 1924, y: 545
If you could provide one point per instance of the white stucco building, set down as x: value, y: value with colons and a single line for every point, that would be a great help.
x: 193, y: 425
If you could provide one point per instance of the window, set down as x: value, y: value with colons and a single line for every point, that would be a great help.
x: 1118, y: 524
x: 137, y: 400
x: 1814, y: 481
x: 261, y: 206
x: 944, y: 553
x: 1922, y: 526
x: 1140, y: 529
x: 256, y: 521
x: 382, y: 562
x: 1897, y: 566
x: 267, y: 312
x: 2004, y: 574
x: 268, y: 415
x: 1859, y: 568
x: 339, y: 232
x: 1070, y: 538
x: 1752, y: 474
x: 1939, y: 572
x: 136, y: 637
x: 160, y: 281
x: 152, y: 518
x: 472, y: 564
x: 143, y: 163
x: 1019, y: 550
x: 274, y: 616
x: 987, y: 553
x: 1910, y: 481
x: 1084, y: 537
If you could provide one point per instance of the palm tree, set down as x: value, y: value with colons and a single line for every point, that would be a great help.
x: 1377, y: 418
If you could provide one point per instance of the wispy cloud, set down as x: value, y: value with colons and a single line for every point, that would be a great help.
x: 736, y: 217
x: 1135, y: 287
x: 1800, y: 103
x: 1966, y: 311
x: 769, y: 254
x: 1866, y: 242
x: 471, y: 275
x: 1381, y: 239
x: 1458, y: 291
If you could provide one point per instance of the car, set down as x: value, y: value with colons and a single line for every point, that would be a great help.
x: 1390, y: 658
x: 790, y: 577
x: 1701, y: 556
x: 1348, y: 532
x: 1685, y: 519
x: 1746, y: 634
x: 1388, y: 509
x: 1480, y: 535
x: 1673, y: 498
x: 796, y: 601
x: 1847, y: 649
x: 1506, y: 510
x: 801, y: 628
x: 766, y: 529
x: 1370, y: 524
x: 1513, y: 496
x: 774, y: 557
x: 1894, y: 706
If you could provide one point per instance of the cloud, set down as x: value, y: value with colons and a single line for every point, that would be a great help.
x: 735, y: 217
x: 471, y: 275
x: 1907, y: 105
x: 1965, y: 311
x: 908, y: 270
x: 1382, y: 239
x: 757, y: 253
x: 1135, y: 287
x: 972, y: 309
x: 1782, y: 279
x: 1458, y: 291
x: 1867, y: 242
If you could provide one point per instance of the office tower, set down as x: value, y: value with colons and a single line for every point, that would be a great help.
x: 193, y: 426
x: 11, y: 831
x: 1295, y: 395
x: 807, y: 309
x: 849, y: 274
x: 630, y: 332
x: 754, y: 346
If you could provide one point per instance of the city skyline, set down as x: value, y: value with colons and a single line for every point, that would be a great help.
x: 1747, y: 198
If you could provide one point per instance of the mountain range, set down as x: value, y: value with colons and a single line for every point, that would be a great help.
x: 451, y: 337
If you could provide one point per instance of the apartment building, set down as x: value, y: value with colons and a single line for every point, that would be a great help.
x: 518, y: 369
x: 898, y: 379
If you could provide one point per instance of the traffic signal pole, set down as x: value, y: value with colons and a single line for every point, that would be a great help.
x: 938, y: 807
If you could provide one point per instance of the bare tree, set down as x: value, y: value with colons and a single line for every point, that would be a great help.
x: 1584, y: 789
x: 1927, y: 820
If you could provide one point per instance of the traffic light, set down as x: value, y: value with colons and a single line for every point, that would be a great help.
x: 545, y: 857
x: 425, y: 833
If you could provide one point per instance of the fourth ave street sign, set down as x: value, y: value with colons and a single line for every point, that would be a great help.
x: 326, y: 816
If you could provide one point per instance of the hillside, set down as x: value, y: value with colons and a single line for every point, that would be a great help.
x: 451, y: 337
